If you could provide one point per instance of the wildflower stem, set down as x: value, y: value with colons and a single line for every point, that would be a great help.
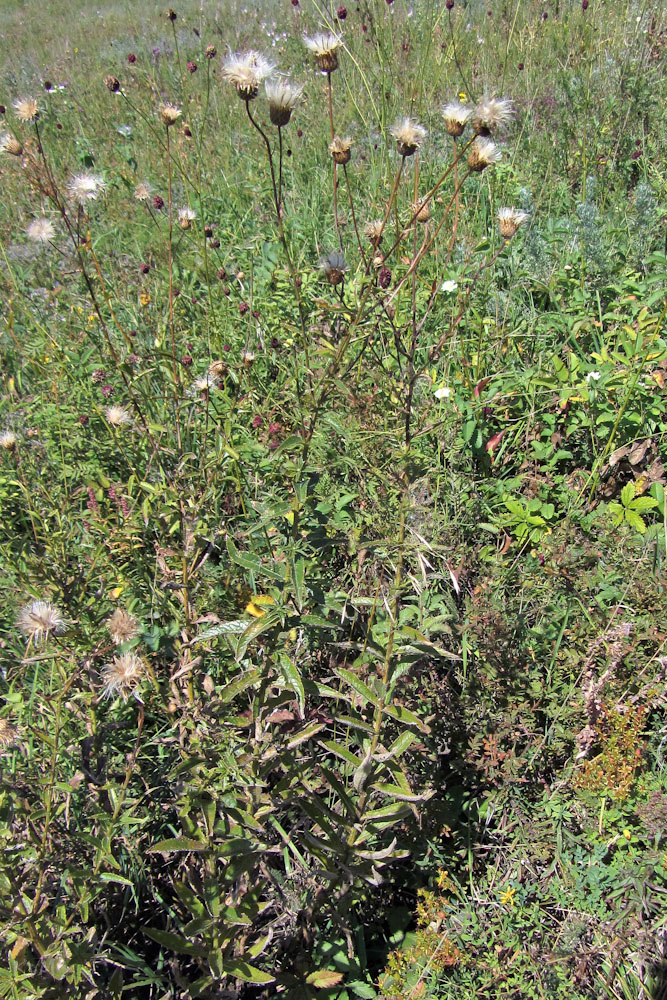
x: 455, y: 223
x: 427, y: 245
x: 335, y: 165
x: 280, y: 166
x: 290, y: 262
x: 171, y: 278
x: 269, y: 153
x: 354, y: 216
x: 430, y: 194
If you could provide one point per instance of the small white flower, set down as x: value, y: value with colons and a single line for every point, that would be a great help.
x: 449, y: 286
x: 443, y: 393
x: 593, y: 376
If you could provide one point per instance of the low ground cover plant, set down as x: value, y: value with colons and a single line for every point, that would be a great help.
x: 333, y: 537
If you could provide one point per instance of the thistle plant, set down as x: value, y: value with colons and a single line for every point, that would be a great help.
x: 232, y: 623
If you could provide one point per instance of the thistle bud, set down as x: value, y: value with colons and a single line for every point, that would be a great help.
x: 340, y: 150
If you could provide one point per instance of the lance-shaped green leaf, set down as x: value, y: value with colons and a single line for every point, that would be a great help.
x: 173, y: 844
x: 224, y: 628
x: 174, y: 942
x: 399, y: 746
x: 246, y: 972
x: 400, y: 794
x: 252, y: 562
x: 342, y: 752
x: 291, y: 674
x: 407, y: 717
x: 238, y: 685
x: 359, y: 686
x: 305, y: 734
x: 268, y: 620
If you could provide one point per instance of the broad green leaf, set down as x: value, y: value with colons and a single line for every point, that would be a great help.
x: 627, y: 493
x: 635, y: 521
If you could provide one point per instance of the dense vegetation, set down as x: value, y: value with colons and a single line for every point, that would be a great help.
x: 332, y: 477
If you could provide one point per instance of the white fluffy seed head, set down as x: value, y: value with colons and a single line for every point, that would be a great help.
x: 39, y: 619
x: 246, y: 71
x: 85, y: 187
x: 409, y: 135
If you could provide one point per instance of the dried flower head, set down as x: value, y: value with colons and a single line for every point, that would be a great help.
x: 334, y: 267
x: 169, y: 114
x: 118, y: 416
x: 373, y: 231
x: 211, y: 52
x: 340, y: 149
x: 143, y: 191
x: 456, y: 117
x: 217, y: 369
x: 41, y: 230
x: 122, y: 626
x: 246, y: 70
x: 8, y: 440
x: 40, y: 619
x: 203, y: 385
x: 122, y: 676
x: 85, y: 187
x: 186, y: 216
x: 422, y: 212
x: 9, y: 144
x: 409, y: 136
x: 26, y: 109
x: 248, y: 358
x: 324, y: 46
x: 283, y: 97
x: 482, y: 154
x: 509, y: 220
x: 8, y: 733
x: 112, y: 83
x: 490, y: 115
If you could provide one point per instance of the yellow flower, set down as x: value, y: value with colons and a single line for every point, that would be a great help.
x: 443, y: 881
x: 463, y: 96
x: 144, y: 298
x: 255, y: 607
x: 507, y: 897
